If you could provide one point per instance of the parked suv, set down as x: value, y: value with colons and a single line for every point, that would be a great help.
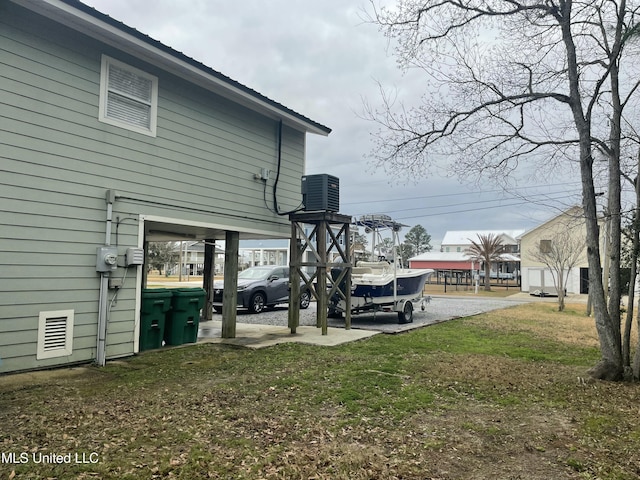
x: 261, y: 287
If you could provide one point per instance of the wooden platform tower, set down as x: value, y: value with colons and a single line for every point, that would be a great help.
x: 319, y: 233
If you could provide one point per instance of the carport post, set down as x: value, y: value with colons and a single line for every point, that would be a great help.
x: 230, y: 293
x: 295, y: 254
x: 209, y: 272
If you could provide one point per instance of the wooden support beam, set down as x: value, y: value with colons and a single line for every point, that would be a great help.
x: 230, y: 292
x: 315, y: 243
x: 321, y: 318
x: 295, y: 255
x: 207, y: 281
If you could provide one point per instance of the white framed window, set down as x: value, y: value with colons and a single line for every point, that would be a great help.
x: 55, y: 334
x: 128, y: 97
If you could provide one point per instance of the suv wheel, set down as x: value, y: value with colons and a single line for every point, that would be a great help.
x: 257, y: 302
x: 305, y: 299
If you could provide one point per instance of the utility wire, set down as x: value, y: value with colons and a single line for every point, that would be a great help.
x: 484, y: 205
x: 462, y: 194
x: 466, y: 210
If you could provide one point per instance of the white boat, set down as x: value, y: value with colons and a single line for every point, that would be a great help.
x: 382, y: 285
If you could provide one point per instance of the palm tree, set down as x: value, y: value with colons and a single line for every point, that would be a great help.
x: 487, y: 249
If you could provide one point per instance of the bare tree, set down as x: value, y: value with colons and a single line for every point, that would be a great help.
x: 486, y: 249
x: 511, y: 82
x: 560, y: 254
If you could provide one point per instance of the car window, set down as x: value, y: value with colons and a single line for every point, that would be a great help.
x: 254, y: 273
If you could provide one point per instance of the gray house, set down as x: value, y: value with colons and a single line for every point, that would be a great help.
x: 108, y: 140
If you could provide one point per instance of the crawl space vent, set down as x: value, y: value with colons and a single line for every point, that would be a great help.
x: 55, y: 334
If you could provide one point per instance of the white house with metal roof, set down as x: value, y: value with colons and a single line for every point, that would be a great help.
x: 452, y: 258
x: 460, y: 240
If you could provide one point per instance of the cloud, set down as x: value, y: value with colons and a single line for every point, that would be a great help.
x: 322, y: 59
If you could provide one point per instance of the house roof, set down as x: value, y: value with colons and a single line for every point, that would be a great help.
x: 461, y: 237
x: 102, y: 27
x: 575, y: 211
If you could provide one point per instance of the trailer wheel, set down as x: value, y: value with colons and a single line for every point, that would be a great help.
x: 406, y: 315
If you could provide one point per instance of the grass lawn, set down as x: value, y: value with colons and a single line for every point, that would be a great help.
x: 501, y: 395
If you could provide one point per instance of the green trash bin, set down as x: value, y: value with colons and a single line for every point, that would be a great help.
x: 184, y: 318
x: 156, y: 302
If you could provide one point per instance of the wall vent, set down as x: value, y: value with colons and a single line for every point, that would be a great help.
x: 55, y: 334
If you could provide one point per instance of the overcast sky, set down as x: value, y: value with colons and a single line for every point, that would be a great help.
x: 323, y: 60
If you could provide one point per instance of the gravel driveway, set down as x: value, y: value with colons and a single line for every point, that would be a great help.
x: 440, y: 309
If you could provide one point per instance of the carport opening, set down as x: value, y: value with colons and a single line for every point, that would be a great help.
x: 185, y: 260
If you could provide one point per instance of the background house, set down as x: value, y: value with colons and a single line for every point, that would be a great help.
x: 264, y: 252
x: 460, y: 240
x: 568, y: 226
x: 110, y: 140
x: 190, y: 258
x: 453, y: 261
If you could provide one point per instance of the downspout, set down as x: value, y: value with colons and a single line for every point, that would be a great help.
x: 104, y: 288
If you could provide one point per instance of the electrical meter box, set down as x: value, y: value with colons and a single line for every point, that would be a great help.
x: 321, y: 192
x: 106, y: 259
x: 134, y: 256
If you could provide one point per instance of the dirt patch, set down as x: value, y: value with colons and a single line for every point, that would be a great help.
x: 446, y: 402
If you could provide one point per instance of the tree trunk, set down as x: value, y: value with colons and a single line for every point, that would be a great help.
x: 635, y: 230
x: 610, y: 367
x: 614, y: 200
x: 560, y: 288
x: 636, y: 359
x: 487, y: 276
x: 626, y: 339
x: 634, y: 259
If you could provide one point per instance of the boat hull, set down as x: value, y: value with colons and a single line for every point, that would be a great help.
x: 406, y: 286
x: 374, y: 291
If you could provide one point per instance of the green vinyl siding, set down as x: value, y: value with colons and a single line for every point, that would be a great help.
x: 57, y: 161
